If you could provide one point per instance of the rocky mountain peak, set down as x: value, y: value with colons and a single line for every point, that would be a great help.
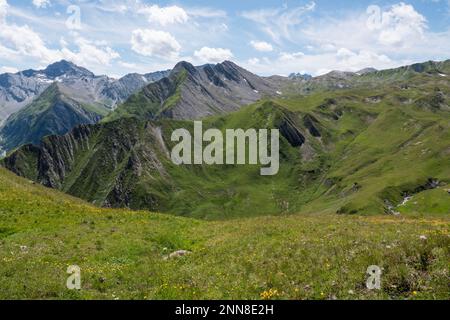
x: 64, y: 67
x: 366, y: 71
x: 183, y: 65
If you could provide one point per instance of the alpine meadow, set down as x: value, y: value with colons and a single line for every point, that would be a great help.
x: 215, y: 179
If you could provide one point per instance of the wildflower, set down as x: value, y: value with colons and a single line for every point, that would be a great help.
x: 422, y: 237
x: 269, y: 294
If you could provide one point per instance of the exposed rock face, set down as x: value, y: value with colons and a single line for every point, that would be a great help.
x: 101, y: 162
x: 434, y: 101
x: 196, y: 92
x: 290, y: 131
x: 57, y: 155
x: 121, y: 89
x: 17, y: 90
x: 218, y: 89
x: 311, y: 123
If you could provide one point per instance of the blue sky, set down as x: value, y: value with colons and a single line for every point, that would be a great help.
x: 116, y: 37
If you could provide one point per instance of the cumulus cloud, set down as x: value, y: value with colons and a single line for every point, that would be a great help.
x: 149, y: 42
x: 164, y: 15
x: 89, y: 53
x: 380, y: 38
x: 261, y: 46
x: 21, y: 41
x: 16, y: 40
x: 401, y: 23
x: 25, y: 41
x: 354, y: 61
x: 399, y: 29
x: 41, y: 3
x: 213, y: 55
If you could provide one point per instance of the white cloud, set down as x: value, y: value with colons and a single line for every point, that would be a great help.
x: 261, y: 46
x: 22, y: 42
x: 89, y: 54
x: 399, y: 35
x: 354, y: 61
x: 213, y: 55
x: 286, y: 56
x: 8, y: 53
x: 253, y: 61
x: 206, y: 13
x: 149, y: 42
x: 401, y: 23
x: 41, y: 3
x: 128, y: 65
x: 164, y: 15
x: 279, y: 23
x: 399, y: 29
x: 27, y: 42
x: 316, y: 64
x: 3, y: 10
x: 8, y: 70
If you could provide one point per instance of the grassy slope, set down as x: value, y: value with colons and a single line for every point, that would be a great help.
x: 121, y: 253
x: 147, y: 103
x: 388, y: 146
x: 401, y: 146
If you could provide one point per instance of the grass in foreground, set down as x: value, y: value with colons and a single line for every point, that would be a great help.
x: 121, y: 253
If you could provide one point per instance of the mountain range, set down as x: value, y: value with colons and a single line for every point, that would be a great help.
x: 32, y: 107
x: 350, y: 142
x: 20, y: 92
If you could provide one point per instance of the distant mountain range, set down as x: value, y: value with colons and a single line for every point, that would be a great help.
x: 21, y: 121
x: 195, y: 92
x: 19, y: 89
x: 350, y: 142
x: 55, y: 111
x: 32, y: 106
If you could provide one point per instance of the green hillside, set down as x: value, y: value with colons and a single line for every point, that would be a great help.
x: 53, y: 112
x: 354, y: 151
x: 364, y: 180
x: 122, y: 254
